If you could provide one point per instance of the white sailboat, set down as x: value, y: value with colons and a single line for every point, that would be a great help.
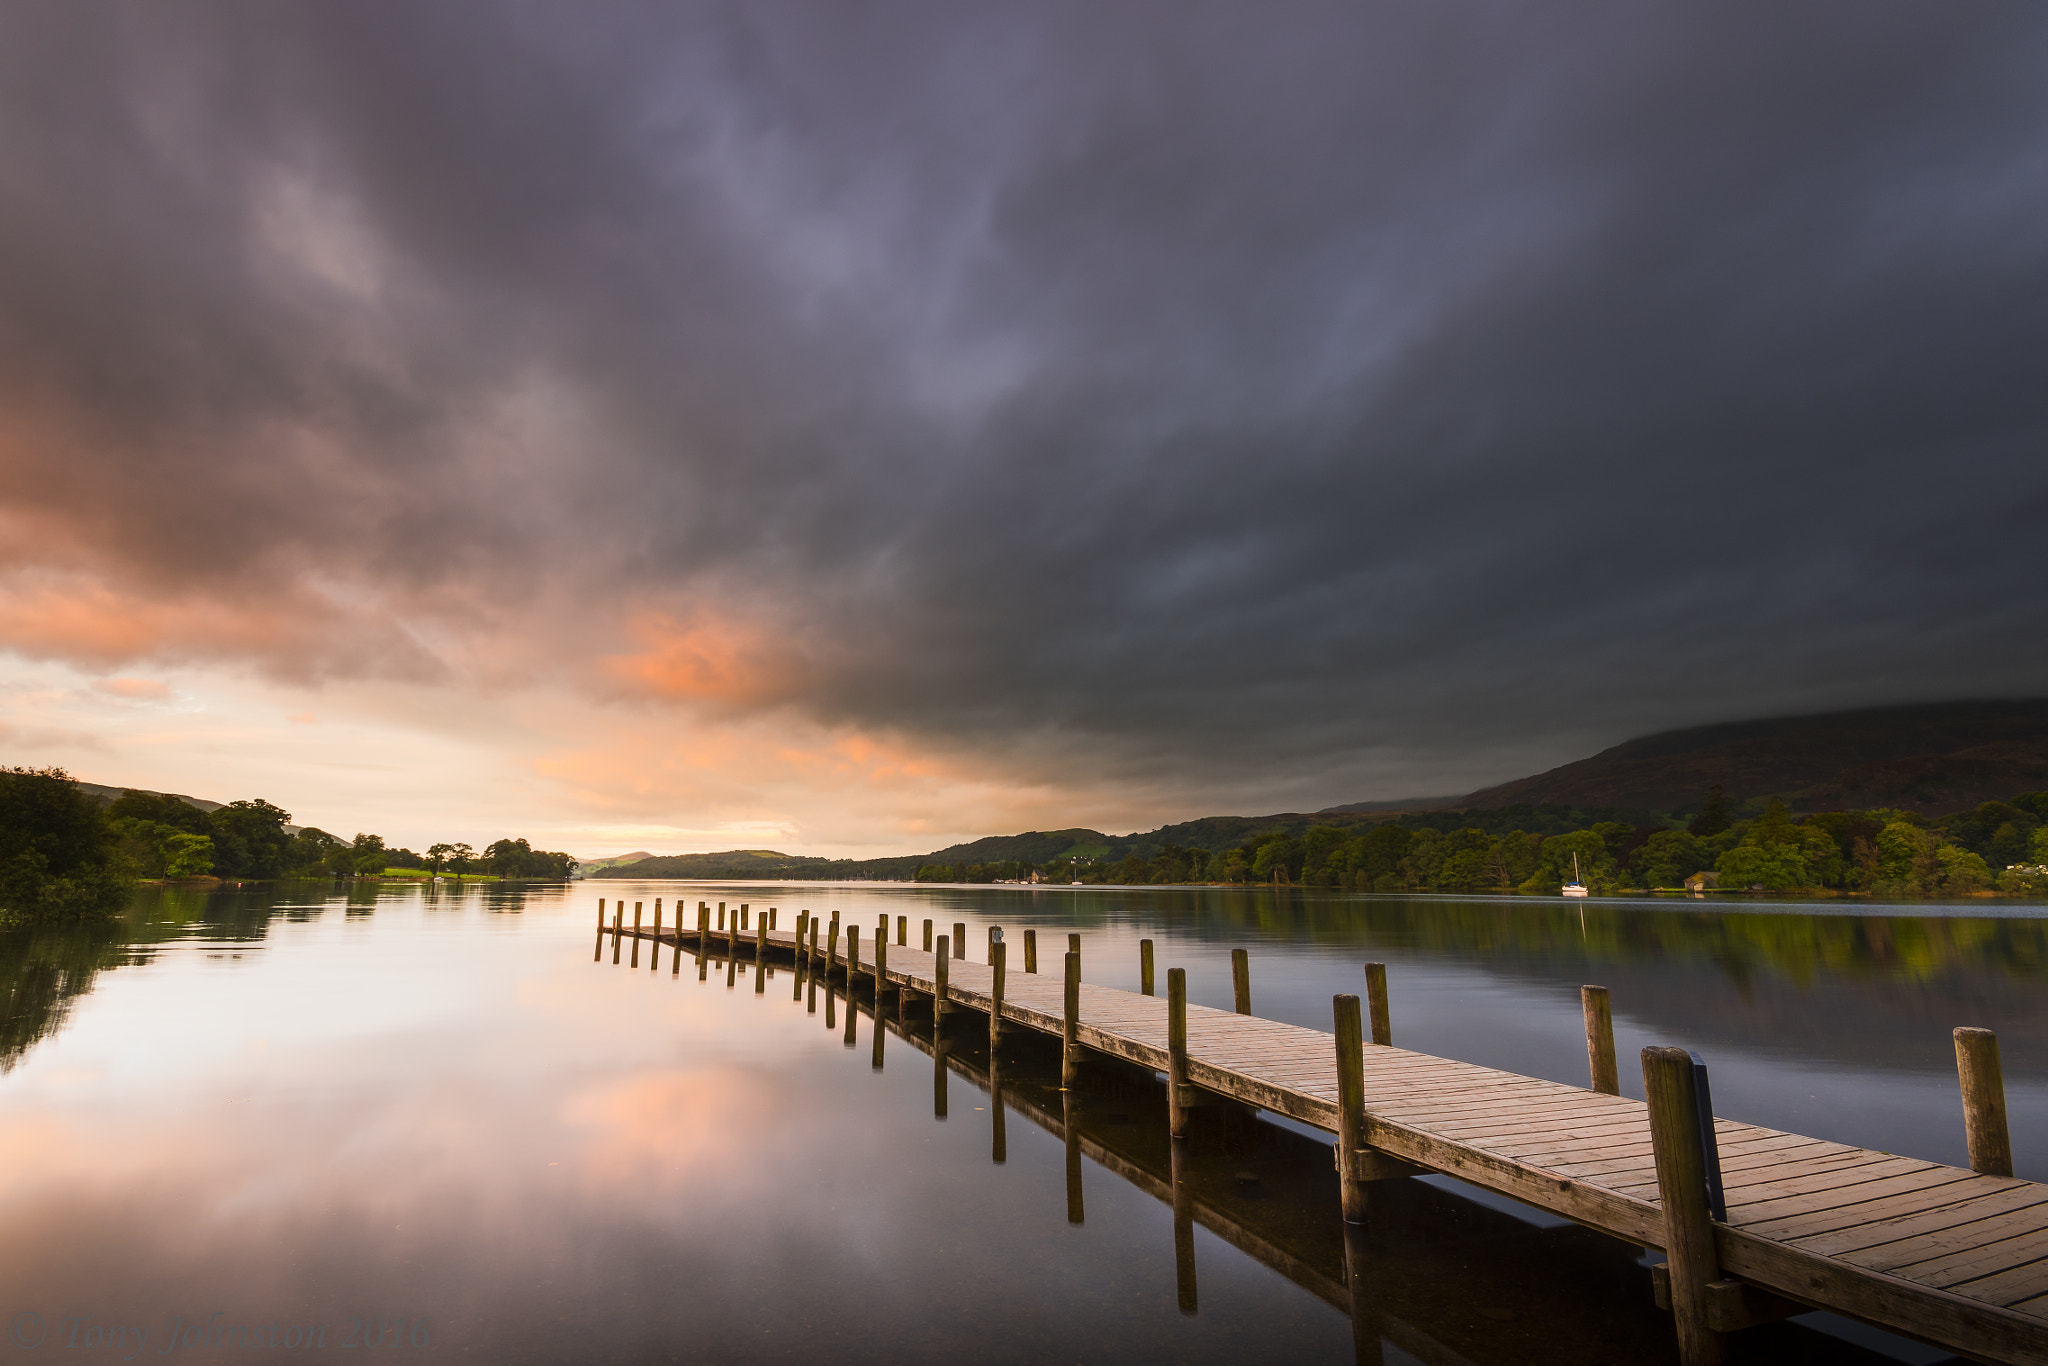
x: 1577, y: 886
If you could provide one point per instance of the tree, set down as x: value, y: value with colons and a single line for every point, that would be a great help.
x: 1775, y: 867
x: 437, y: 854
x: 57, y: 857
x: 188, y: 855
x: 1668, y: 858
x: 1554, y: 865
x: 249, y: 839
x: 1713, y: 814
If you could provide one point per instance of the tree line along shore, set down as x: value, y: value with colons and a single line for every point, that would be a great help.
x: 68, y: 855
x: 1997, y: 847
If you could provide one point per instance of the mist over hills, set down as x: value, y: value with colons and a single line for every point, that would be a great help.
x: 1934, y: 758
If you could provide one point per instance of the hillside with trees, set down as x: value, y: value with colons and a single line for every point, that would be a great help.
x: 1935, y: 759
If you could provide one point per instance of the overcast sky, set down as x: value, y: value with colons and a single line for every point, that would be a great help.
x: 851, y: 427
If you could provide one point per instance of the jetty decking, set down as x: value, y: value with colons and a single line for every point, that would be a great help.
x: 1946, y: 1255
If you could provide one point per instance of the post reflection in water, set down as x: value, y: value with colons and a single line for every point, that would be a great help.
x: 999, y: 1145
x: 1365, y: 1319
x: 938, y: 1076
x: 1183, y: 1227
x: 1070, y: 1113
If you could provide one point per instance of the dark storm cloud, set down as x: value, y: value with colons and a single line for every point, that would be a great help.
x: 1384, y: 397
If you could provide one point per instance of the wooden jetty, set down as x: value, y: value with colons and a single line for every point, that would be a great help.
x: 1772, y: 1224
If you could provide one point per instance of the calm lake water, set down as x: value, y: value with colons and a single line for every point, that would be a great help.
x: 426, y: 1123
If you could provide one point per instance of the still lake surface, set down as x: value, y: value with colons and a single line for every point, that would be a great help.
x: 426, y: 1122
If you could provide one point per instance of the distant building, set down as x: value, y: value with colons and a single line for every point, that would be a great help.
x: 1699, y: 882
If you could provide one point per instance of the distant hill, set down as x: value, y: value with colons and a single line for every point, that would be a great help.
x: 1935, y: 758
x: 591, y: 865
x: 108, y: 794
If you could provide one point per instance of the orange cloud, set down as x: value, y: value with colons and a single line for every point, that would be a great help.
x: 710, y: 658
x: 134, y: 689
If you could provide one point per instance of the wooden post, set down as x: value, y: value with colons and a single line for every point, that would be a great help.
x: 881, y: 964
x: 721, y: 917
x: 1682, y: 1190
x: 1376, y: 1004
x: 618, y: 930
x: 1145, y: 967
x: 1183, y: 1227
x: 1600, y: 1040
x: 732, y: 933
x: 1074, y: 945
x: 600, y: 914
x: 598, y: 956
x: 875, y: 1062
x: 960, y: 941
x: 831, y: 956
x: 1983, y: 1083
x: 995, y: 932
x: 1241, y: 981
x: 996, y: 956
x: 1070, y: 1042
x: 1031, y: 950
x: 636, y: 934
x: 771, y: 917
x: 811, y: 956
x: 1350, y: 1106
x: 703, y: 940
x: 941, y: 966
x: 761, y: 954
x: 654, y: 959
x: 1176, y: 1051
x: 852, y: 965
x: 796, y: 990
x: 927, y: 936
x: 903, y: 931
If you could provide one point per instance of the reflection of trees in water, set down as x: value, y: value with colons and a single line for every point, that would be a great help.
x: 1742, y: 945
x: 44, y: 971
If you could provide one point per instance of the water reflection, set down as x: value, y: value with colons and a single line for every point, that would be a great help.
x: 411, y: 1102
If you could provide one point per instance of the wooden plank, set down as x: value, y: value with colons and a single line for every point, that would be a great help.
x: 1958, y: 1217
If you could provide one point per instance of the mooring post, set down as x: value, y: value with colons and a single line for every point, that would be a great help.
x: 760, y: 953
x: 881, y: 964
x: 703, y: 939
x: 852, y: 965
x: 1176, y: 1051
x: 618, y: 930
x: 903, y: 931
x: 1675, y: 1140
x: 927, y: 936
x: 831, y: 955
x: 1183, y: 1227
x: 636, y: 935
x: 960, y: 941
x: 1070, y: 1031
x: 1145, y: 967
x: 1600, y: 1040
x: 600, y: 913
x: 995, y: 932
x: 941, y: 969
x: 996, y: 956
x: 771, y: 917
x: 1074, y: 945
x: 796, y: 988
x: 732, y: 931
x: 721, y: 917
x: 1983, y: 1083
x: 654, y: 960
x: 1350, y: 1106
x: 1241, y: 981
x: 1376, y: 1004
x: 1031, y: 950
x: 811, y: 1004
